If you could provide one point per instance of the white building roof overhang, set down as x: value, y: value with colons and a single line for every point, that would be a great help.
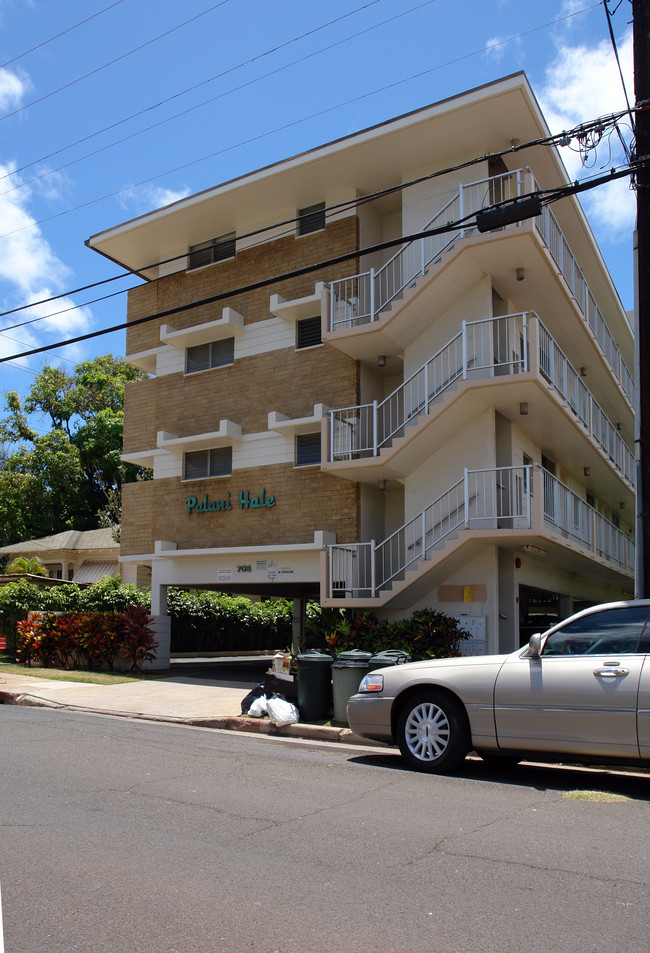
x: 475, y: 123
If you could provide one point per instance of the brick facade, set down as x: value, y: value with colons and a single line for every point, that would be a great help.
x: 286, y: 380
x: 306, y: 501
x: 248, y: 266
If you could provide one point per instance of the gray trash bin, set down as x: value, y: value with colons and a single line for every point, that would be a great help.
x: 388, y: 657
x: 314, y: 685
x: 347, y: 671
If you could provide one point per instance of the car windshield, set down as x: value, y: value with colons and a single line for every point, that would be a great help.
x: 618, y: 630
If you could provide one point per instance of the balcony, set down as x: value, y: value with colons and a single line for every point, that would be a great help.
x: 514, y: 348
x: 493, y: 505
x: 228, y: 434
x: 366, y: 301
x: 230, y: 324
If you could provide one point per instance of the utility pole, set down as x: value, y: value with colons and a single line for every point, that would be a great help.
x: 641, y: 36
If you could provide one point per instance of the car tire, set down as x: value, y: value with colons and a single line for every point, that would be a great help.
x: 432, y: 732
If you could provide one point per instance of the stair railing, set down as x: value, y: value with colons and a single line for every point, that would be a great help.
x: 492, y: 498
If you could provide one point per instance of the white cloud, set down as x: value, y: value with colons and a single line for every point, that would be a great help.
x: 31, y: 271
x: 496, y: 47
x: 12, y: 89
x: 148, y: 198
x: 583, y: 83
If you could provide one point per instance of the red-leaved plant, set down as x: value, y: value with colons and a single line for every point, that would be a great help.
x: 139, y: 644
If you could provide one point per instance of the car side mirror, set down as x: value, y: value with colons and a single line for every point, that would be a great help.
x: 535, y: 645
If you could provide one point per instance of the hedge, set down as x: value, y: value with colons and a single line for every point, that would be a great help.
x: 86, y: 640
x: 214, y: 622
x: 20, y: 597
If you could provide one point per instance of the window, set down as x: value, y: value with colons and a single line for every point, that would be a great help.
x: 600, y: 633
x: 308, y: 332
x: 311, y: 219
x: 216, y: 462
x: 307, y: 449
x: 216, y: 249
x: 212, y: 354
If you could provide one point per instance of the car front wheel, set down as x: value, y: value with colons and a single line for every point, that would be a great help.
x: 432, y: 732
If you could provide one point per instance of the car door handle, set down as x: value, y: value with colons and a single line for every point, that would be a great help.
x: 611, y: 672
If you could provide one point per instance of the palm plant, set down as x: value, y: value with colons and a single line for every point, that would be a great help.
x: 26, y: 566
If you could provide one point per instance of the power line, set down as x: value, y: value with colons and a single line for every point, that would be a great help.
x: 59, y: 35
x: 183, y: 92
x: 228, y: 92
x: 547, y: 196
x: 291, y: 124
x: 117, y: 59
x: 554, y: 139
x: 581, y: 130
x: 620, y: 73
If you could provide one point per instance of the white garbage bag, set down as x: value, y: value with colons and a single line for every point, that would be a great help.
x: 258, y: 707
x: 281, y: 712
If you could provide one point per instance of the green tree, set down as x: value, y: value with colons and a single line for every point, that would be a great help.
x: 71, y: 476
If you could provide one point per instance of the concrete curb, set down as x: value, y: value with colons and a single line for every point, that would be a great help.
x: 261, y: 726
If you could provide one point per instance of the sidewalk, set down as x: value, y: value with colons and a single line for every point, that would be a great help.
x: 168, y: 700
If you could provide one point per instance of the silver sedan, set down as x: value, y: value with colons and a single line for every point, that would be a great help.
x: 580, y: 692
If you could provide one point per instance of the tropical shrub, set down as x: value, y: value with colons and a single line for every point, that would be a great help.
x: 26, y: 565
x: 21, y: 597
x: 428, y: 633
x: 86, y: 640
x: 138, y: 642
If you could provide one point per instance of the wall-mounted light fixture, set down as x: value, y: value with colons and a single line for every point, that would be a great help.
x: 619, y: 426
x: 382, y: 484
x: 621, y: 505
x: 523, y: 408
x: 535, y: 550
x: 521, y: 274
x: 587, y: 471
x: 381, y: 360
x: 583, y: 372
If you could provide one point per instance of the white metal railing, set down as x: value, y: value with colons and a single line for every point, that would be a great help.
x: 491, y: 499
x: 491, y: 346
x: 558, y: 371
x: 570, y: 516
x: 359, y: 299
x: 494, y: 498
x: 563, y: 257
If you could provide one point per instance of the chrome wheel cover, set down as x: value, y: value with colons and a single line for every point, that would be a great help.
x: 427, y: 732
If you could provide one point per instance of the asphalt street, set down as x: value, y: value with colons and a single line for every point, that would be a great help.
x: 122, y: 836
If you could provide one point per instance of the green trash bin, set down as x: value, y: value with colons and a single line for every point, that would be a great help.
x: 388, y: 657
x: 314, y: 685
x: 347, y: 671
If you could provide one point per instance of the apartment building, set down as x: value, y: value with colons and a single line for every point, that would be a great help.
x: 359, y: 397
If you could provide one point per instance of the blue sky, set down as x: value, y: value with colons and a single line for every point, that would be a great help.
x: 146, y: 102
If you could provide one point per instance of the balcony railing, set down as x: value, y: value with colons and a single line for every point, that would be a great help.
x: 491, y: 499
x: 558, y: 371
x: 569, y: 515
x: 496, y: 498
x: 361, y: 298
x: 492, y: 347
x: 563, y: 257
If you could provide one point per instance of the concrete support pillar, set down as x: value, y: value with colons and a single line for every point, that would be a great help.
x: 162, y: 626
x: 298, y: 623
